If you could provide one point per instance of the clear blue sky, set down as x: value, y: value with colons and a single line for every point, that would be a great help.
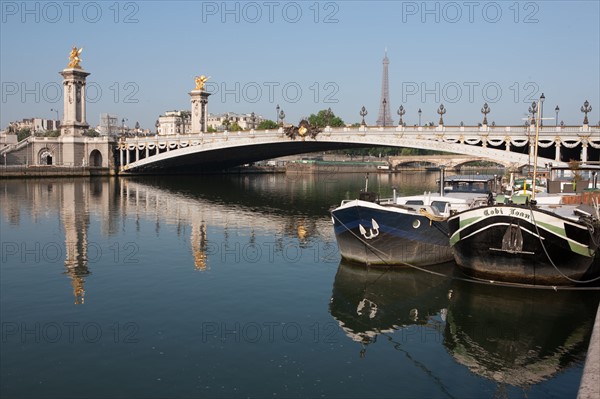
x: 305, y: 56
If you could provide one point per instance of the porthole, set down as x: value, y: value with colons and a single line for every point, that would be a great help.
x: 416, y: 223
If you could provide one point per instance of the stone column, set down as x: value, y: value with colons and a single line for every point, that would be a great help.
x: 584, y: 150
x: 557, y: 151
x: 74, y: 119
x: 199, y: 111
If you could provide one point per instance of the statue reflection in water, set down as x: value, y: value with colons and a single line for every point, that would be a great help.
x: 512, y: 336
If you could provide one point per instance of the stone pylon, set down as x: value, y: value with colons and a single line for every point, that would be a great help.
x: 74, y: 120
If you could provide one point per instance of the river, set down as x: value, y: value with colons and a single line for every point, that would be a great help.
x: 232, y: 286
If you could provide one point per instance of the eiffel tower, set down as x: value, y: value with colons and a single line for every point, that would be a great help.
x: 385, y: 116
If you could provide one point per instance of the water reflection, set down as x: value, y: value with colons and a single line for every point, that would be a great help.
x: 517, y: 336
x: 217, y: 214
x: 368, y: 302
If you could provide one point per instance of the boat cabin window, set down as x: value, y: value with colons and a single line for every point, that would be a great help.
x: 464, y: 187
x: 439, y: 205
x: 414, y: 202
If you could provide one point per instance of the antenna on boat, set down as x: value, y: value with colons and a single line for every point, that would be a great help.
x: 535, y: 154
x: 442, y: 178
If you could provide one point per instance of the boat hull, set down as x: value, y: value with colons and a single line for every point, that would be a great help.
x: 521, y: 245
x: 398, y: 236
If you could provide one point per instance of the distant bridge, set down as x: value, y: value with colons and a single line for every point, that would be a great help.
x: 508, y: 145
x: 448, y: 161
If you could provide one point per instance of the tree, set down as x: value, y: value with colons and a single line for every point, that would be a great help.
x: 90, y: 133
x: 325, y: 117
x: 235, y: 127
x: 267, y: 124
x: 49, y: 133
x: 226, y: 122
x: 22, y: 134
x: 211, y: 129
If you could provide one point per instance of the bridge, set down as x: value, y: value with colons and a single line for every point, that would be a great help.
x: 448, y: 161
x: 508, y: 145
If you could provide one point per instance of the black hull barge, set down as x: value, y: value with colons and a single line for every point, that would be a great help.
x: 525, y: 244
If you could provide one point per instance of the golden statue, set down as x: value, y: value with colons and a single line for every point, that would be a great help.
x: 74, y: 59
x: 200, y: 80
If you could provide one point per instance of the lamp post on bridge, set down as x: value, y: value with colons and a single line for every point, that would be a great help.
x: 533, y: 111
x: 363, y: 112
x: 420, y: 112
x: 384, y: 105
x: 281, y: 116
x: 123, y: 126
x: 441, y: 111
x: 401, y: 111
x: 485, y: 110
x: 542, y: 98
x: 277, y: 114
x: 55, y: 124
x: 556, y: 110
x: 328, y: 114
x: 585, y: 109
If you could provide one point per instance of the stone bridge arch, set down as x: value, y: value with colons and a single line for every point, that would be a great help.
x: 46, y: 156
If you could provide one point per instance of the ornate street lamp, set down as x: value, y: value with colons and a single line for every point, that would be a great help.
x: 384, y: 104
x: 401, y: 111
x: 420, y: 112
x: 281, y: 116
x: 253, y: 119
x: 485, y: 110
x: 328, y: 114
x: 542, y: 98
x: 363, y: 112
x: 533, y: 111
x: 441, y: 111
x: 556, y: 110
x: 585, y: 109
x: 277, y: 114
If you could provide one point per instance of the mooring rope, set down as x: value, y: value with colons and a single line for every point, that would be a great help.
x: 550, y: 259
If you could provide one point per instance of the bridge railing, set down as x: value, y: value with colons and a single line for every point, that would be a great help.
x: 561, y: 131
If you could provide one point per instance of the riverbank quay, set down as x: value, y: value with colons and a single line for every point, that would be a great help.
x: 589, y: 387
x: 316, y: 166
x: 20, y: 171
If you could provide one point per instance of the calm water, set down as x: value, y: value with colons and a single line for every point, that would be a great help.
x: 232, y: 286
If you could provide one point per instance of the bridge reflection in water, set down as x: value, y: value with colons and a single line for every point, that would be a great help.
x: 512, y: 336
x: 197, y: 214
